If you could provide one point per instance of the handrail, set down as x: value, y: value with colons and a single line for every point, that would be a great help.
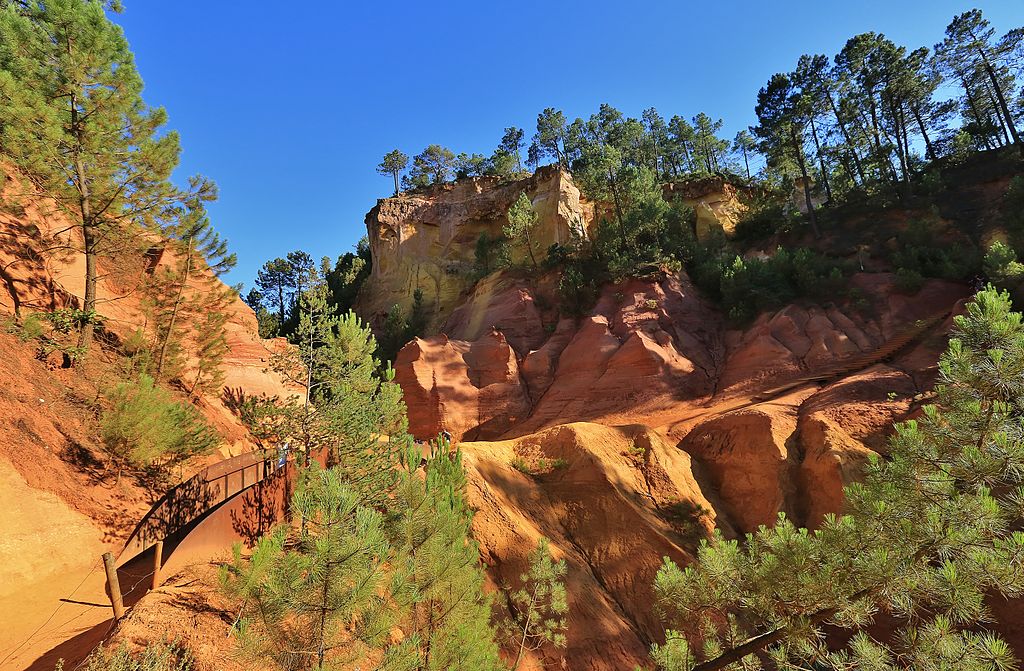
x: 200, y: 492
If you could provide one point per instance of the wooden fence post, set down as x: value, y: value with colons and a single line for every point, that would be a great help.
x: 158, y: 557
x: 112, y: 585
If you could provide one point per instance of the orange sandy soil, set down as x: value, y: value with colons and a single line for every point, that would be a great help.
x: 61, y: 510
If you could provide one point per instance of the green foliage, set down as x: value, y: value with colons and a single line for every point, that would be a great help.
x: 765, y: 216
x: 747, y: 287
x: 392, y: 334
x: 80, y: 128
x: 393, y: 164
x: 267, y: 323
x: 320, y: 598
x: 276, y: 282
x: 490, y: 254
x: 1012, y: 209
x: 328, y: 593
x: 521, y: 227
x: 347, y: 276
x: 67, y: 320
x: 448, y: 615
x: 1001, y: 266
x: 350, y: 408
x: 434, y: 165
x: 31, y: 328
x: 143, y: 427
x: 539, y: 607
x: 918, y: 254
x: 159, y: 656
x: 540, y: 466
x: 925, y: 536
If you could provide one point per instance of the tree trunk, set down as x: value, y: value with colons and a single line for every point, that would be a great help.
x: 395, y: 175
x: 846, y: 136
x: 799, y: 151
x: 89, y: 233
x: 973, y: 104
x: 174, y: 311
x: 618, y: 208
x: 821, y: 161
x: 1002, y: 100
x: 526, y: 628
x: 746, y: 163
x: 929, y: 150
x: 877, y: 136
x: 999, y: 115
x: 321, y: 648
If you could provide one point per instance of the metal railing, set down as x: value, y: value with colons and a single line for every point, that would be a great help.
x: 187, y: 502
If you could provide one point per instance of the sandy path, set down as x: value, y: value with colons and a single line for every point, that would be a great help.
x: 48, y: 552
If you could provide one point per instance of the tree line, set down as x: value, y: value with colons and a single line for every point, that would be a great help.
x: 866, y: 119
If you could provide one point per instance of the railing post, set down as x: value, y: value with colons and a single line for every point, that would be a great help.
x: 158, y: 558
x: 112, y: 585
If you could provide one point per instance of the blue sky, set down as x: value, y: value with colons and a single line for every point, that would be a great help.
x: 289, y: 107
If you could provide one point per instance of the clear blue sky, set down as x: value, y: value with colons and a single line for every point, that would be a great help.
x: 290, y: 106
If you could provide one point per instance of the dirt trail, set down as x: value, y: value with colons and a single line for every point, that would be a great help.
x: 50, y: 553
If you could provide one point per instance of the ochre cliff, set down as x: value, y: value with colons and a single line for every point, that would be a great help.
x: 426, y: 239
x: 715, y: 200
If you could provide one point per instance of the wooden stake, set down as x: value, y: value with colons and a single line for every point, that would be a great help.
x: 113, y: 588
x: 158, y: 557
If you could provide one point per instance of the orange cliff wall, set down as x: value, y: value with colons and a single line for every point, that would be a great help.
x: 41, y: 270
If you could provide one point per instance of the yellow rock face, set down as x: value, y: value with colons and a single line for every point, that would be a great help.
x: 427, y: 239
x: 715, y: 201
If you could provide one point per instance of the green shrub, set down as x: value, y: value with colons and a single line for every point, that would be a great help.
x: 1001, y: 266
x: 748, y: 287
x: 765, y: 216
x: 144, y: 428
x: 154, y: 657
x: 1013, y: 212
x: 918, y: 254
x: 65, y: 320
x: 540, y: 467
x: 908, y: 281
x: 31, y: 328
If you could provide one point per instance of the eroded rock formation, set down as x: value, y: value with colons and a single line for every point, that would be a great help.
x: 426, y: 239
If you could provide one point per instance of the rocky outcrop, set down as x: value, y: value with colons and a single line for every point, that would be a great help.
x: 426, y: 239
x: 613, y: 501
x: 714, y: 199
x: 647, y: 346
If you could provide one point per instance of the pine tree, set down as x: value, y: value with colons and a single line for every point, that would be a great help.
x: 512, y: 144
x: 929, y: 532
x: 550, y: 137
x: 970, y: 47
x: 79, y: 129
x: 144, y: 428
x: 438, y: 563
x: 393, y: 164
x: 781, y: 132
x: 522, y: 222
x: 539, y: 607
x: 348, y: 407
x: 744, y: 144
x: 433, y: 165
x: 317, y: 601
x: 276, y: 281
x: 202, y: 254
